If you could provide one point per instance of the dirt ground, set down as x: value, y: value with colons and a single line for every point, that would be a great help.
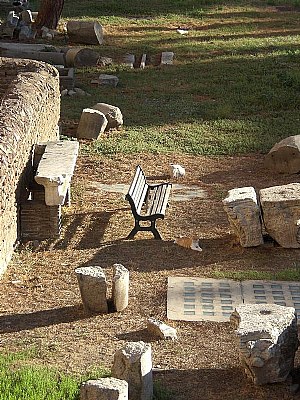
x: 40, y: 299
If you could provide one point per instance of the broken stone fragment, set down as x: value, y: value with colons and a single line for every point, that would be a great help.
x: 112, y: 113
x: 167, y: 58
x: 92, y: 124
x: 55, y: 170
x: 267, y: 337
x: 133, y: 363
x: 284, y: 157
x: 129, y: 60
x: 93, y: 288
x: 281, y: 212
x: 161, y: 330
x: 110, y: 80
x: 120, y: 287
x: 104, y: 389
x: 243, y: 214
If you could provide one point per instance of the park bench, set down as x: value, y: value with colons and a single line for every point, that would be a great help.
x: 148, y: 203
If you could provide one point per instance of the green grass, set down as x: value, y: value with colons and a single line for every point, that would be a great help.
x: 289, y: 274
x: 20, y: 378
x: 233, y: 88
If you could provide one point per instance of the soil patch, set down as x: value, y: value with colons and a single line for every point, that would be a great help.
x: 40, y: 300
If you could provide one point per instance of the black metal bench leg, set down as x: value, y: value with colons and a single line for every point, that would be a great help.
x: 155, y: 231
x: 134, y: 230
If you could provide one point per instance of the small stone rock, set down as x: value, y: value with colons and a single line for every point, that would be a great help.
x: 79, y: 91
x: 110, y: 80
x: 160, y: 329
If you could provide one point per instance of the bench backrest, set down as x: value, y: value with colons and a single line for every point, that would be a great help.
x: 138, y: 190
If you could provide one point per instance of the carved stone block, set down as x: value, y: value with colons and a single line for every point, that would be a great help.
x: 267, y: 340
x: 243, y: 214
x: 281, y: 213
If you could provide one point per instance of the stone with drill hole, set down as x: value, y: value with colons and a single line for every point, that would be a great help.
x: 267, y: 339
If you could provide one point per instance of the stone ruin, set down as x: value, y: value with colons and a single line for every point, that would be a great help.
x: 131, y: 376
x: 267, y: 339
x: 275, y: 211
x: 29, y: 114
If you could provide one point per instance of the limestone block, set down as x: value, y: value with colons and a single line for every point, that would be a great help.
x: 140, y: 62
x: 160, y: 329
x: 281, y: 213
x: 112, y: 113
x: 110, y: 80
x: 284, y: 157
x: 267, y: 339
x: 120, y: 287
x: 92, y: 123
x: 93, y: 288
x: 243, y: 214
x: 87, y: 32
x: 133, y: 363
x: 167, y: 58
x: 129, y: 60
x: 104, y: 389
x: 55, y: 169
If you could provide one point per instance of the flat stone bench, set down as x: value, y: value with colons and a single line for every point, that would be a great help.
x: 55, y: 169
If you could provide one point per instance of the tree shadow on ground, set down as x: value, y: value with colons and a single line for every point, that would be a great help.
x: 218, y: 384
x: 138, y: 335
x: 86, y: 228
x: 19, y: 322
x: 150, y: 254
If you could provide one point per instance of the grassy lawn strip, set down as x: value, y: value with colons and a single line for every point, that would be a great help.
x: 20, y: 379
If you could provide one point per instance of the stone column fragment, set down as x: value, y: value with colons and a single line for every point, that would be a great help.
x: 104, y: 389
x: 267, y: 340
x: 243, y: 214
x: 284, y: 157
x: 281, y: 213
x: 91, y: 124
x: 93, y: 288
x: 133, y: 363
x: 120, y: 287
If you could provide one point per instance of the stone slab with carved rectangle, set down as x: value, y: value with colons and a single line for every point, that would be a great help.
x: 205, y: 299
x: 198, y: 299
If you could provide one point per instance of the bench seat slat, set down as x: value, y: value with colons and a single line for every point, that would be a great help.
x: 160, y: 200
x: 138, y: 189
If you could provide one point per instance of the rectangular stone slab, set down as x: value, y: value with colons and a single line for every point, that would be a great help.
x: 282, y: 293
x: 204, y: 299
x: 55, y: 170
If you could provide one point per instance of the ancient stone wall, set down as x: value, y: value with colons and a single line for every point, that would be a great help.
x: 29, y: 113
